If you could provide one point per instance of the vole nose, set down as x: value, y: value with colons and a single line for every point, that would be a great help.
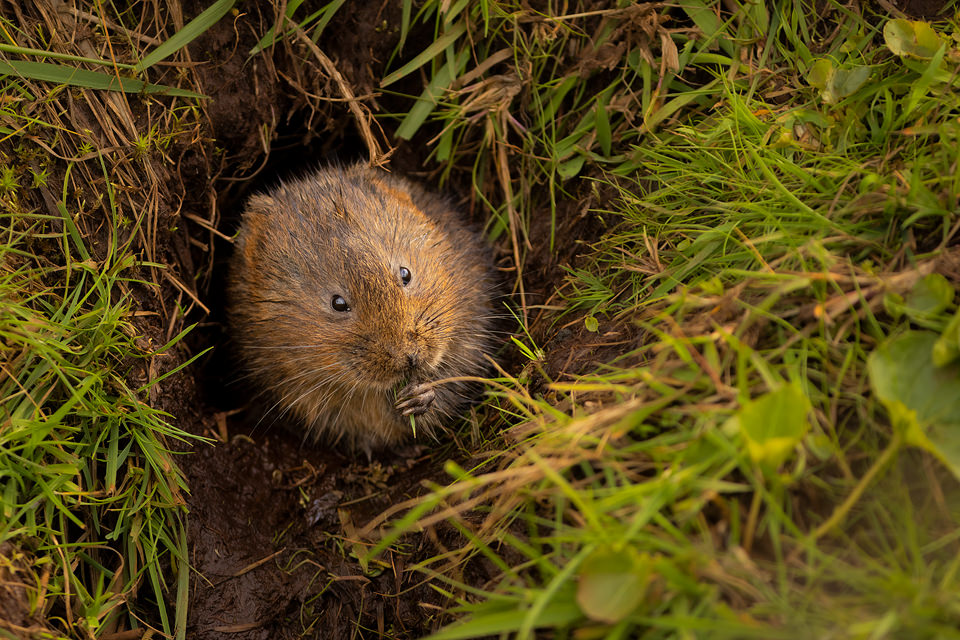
x: 413, y: 360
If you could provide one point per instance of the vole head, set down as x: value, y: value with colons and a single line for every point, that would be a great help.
x: 387, y: 313
x: 360, y: 286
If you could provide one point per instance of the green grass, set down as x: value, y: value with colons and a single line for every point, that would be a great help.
x: 92, y: 504
x: 92, y: 499
x: 752, y: 467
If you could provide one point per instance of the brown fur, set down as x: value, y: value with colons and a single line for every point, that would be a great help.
x: 347, y: 232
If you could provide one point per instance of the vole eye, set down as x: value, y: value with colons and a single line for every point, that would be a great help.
x: 405, y: 276
x: 339, y: 303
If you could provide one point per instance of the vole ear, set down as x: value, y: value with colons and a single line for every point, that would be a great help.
x: 254, y: 227
x: 258, y: 206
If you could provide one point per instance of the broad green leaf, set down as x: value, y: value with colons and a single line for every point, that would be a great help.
x: 933, y: 294
x: 569, y: 168
x: 835, y: 83
x: 894, y: 304
x: 193, y: 29
x: 947, y: 347
x: 591, y: 324
x: 820, y: 72
x: 927, y: 301
x: 847, y: 81
x: 916, y: 39
x: 923, y: 400
x: 774, y: 424
x: 613, y: 583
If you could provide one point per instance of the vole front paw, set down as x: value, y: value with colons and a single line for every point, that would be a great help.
x: 415, y: 399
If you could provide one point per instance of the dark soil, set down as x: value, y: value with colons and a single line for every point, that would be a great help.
x: 922, y: 8
x: 270, y: 530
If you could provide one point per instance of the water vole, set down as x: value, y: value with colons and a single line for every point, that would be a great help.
x: 351, y: 291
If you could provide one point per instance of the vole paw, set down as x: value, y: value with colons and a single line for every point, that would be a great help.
x: 416, y: 399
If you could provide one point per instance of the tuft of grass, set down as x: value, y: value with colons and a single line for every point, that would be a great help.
x: 92, y: 533
x: 92, y: 500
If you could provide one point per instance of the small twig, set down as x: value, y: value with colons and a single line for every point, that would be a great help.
x: 250, y: 567
x: 206, y: 225
x: 895, y: 12
x: 180, y: 285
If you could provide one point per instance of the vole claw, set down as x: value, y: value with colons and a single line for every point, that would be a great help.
x: 415, y: 399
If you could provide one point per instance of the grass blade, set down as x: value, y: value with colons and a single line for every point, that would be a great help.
x: 428, y: 99
x: 60, y: 74
x: 207, y: 18
x: 428, y: 54
x: 41, y: 53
